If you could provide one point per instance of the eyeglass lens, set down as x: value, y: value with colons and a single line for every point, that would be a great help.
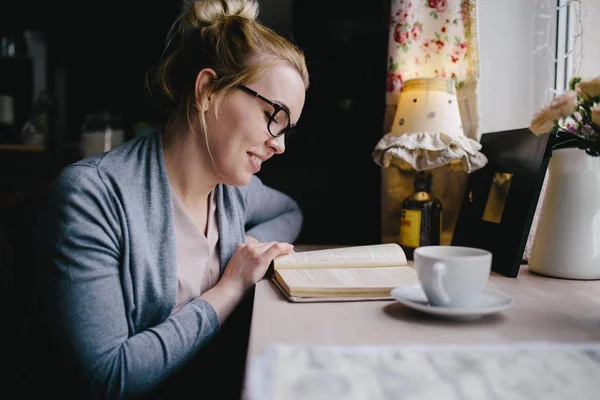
x: 279, y: 123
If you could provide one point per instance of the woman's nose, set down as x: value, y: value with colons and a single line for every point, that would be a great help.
x: 277, y: 144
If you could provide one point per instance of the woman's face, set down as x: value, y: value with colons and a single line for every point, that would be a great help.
x: 238, y: 136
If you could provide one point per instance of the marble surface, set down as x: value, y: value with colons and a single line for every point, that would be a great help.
x: 547, y: 310
x: 519, y: 371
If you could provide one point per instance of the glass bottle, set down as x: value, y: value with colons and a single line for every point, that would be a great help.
x: 100, y: 133
x: 421, y: 216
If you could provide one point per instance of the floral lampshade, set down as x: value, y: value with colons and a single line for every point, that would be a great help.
x: 427, y: 131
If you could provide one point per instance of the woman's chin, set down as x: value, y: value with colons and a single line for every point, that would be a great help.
x: 239, y: 180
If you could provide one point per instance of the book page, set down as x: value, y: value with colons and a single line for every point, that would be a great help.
x: 360, y: 278
x: 378, y: 255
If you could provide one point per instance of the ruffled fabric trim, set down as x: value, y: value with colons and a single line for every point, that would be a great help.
x: 424, y: 151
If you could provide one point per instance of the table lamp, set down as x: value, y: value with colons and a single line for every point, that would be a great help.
x: 427, y: 130
x: 426, y: 134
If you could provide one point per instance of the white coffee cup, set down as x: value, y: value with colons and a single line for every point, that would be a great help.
x: 452, y: 276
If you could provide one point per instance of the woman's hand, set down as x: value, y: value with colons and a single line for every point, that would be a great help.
x: 247, y: 266
x: 250, y: 262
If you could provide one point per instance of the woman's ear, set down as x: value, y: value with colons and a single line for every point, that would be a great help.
x: 203, y: 82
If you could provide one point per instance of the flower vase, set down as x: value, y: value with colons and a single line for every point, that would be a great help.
x: 567, y: 241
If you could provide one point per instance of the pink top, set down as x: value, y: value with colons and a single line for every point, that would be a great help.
x: 198, y: 264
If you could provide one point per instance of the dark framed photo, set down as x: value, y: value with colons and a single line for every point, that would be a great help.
x: 500, y: 199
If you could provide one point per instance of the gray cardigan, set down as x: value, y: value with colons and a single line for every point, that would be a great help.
x: 110, y: 242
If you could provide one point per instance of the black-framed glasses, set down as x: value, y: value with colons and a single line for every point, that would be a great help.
x: 279, y: 122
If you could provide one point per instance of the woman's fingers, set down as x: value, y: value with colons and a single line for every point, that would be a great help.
x: 250, y: 262
x: 277, y: 249
x: 271, y: 249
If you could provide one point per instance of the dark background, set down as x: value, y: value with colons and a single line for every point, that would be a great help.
x: 98, y: 54
x: 97, y: 57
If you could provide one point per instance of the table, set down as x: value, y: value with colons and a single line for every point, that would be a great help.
x: 545, y: 309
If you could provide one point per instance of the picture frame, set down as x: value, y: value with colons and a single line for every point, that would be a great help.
x: 500, y: 199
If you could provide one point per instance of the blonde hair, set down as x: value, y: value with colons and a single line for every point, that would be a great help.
x: 222, y: 35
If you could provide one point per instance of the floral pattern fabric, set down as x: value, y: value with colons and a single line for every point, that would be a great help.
x: 435, y: 38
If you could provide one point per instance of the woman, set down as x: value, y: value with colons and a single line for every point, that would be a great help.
x: 153, y: 244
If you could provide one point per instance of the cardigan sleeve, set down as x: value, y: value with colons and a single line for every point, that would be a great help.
x: 271, y: 214
x: 86, y: 300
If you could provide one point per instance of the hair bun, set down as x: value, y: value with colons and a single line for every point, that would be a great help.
x: 207, y: 12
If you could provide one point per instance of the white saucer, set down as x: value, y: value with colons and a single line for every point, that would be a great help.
x: 491, y: 301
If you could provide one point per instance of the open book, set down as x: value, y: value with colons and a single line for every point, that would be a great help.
x: 343, y: 274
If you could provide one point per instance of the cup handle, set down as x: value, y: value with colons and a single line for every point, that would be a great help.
x: 439, y: 270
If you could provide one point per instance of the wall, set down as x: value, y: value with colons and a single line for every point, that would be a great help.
x: 590, y: 62
x: 517, y: 42
x: 516, y: 46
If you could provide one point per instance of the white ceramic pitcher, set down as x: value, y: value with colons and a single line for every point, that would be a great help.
x: 567, y: 241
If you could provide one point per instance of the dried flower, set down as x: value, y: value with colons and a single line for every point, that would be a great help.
x: 543, y: 121
x: 588, y: 88
x: 587, y: 130
x: 573, y: 117
x: 564, y: 104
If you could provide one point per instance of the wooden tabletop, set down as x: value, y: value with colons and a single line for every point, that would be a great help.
x: 545, y: 309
